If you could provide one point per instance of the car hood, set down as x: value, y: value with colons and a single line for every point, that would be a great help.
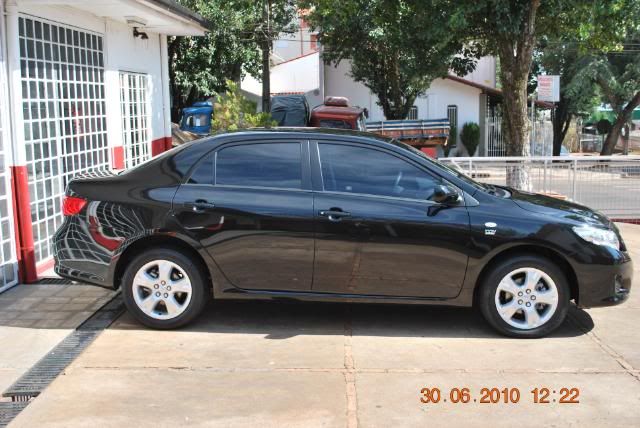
x: 547, y: 205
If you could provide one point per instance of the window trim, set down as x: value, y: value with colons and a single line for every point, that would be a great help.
x: 413, y: 108
x: 305, y: 164
x: 453, y: 107
x: 322, y: 190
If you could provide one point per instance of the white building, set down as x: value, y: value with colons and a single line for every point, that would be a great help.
x: 83, y: 86
x: 297, y: 67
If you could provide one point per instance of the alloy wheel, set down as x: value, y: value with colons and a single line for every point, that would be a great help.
x: 526, y: 298
x: 162, y: 289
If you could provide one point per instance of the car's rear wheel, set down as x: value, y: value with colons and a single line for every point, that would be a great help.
x: 164, y: 289
x: 525, y: 296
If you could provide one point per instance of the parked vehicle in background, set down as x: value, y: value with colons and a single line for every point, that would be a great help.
x: 197, y: 118
x: 338, y: 216
x: 337, y: 113
x: 290, y: 110
x: 425, y: 135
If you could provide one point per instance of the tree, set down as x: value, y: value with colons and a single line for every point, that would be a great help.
x: 201, y: 66
x: 510, y: 30
x: 278, y: 17
x: 577, y: 96
x: 233, y: 111
x: 617, y: 74
x: 395, y: 49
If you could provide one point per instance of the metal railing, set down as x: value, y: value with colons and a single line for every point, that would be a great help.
x: 609, y: 184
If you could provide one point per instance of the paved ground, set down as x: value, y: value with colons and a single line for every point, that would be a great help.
x: 35, y: 318
x: 277, y: 364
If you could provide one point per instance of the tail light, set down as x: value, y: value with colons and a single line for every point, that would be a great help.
x: 72, y: 205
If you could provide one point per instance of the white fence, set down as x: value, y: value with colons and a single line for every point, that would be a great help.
x: 609, y: 184
x: 541, y: 137
x: 494, y: 144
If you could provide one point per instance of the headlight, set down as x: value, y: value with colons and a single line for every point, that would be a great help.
x: 598, y: 236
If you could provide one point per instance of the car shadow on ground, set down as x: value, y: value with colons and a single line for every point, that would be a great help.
x: 283, y: 320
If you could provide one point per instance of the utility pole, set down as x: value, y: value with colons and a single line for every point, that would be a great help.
x: 266, y: 51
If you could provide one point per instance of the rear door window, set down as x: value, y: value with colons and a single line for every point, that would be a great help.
x: 273, y: 165
x: 203, y: 172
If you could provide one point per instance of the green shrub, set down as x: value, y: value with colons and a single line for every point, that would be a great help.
x: 470, y: 137
x: 232, y: 111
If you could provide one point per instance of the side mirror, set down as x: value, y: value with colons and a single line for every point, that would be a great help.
x: 444, y: 194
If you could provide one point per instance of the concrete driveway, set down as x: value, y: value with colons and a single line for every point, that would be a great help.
x: 246, y: 364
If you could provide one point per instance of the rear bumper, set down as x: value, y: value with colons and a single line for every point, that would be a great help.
x: 78, y: 257
x: 603, y: 285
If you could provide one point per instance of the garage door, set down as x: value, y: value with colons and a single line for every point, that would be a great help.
x: 64, y: 116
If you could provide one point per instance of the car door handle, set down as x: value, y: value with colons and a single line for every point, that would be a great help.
x: 200, y: 205
x: 334, y: 215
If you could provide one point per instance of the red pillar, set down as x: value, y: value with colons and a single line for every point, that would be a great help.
x: 24, y: 233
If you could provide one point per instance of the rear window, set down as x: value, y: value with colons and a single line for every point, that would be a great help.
x: 275, y: 165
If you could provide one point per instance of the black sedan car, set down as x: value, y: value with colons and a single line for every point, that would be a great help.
x: 337, y: 216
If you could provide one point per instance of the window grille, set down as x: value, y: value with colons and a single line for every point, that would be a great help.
x: 63, y: 94
x: 136, y: 117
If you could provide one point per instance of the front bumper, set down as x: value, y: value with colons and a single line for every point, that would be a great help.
x: 605, y: 285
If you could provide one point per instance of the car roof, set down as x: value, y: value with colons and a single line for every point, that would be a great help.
x: 307, y: 132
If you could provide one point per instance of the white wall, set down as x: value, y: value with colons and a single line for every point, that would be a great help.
x: 485, y: 72
x: 126, y: 53
x: 289, y: 46
x: 445, y: 92
x: 301, y: 75
x: 432, y: 105
x: 337, y: 82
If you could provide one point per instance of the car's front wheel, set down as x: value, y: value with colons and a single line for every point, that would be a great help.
x: 164, y: 289
x: 525, y: 296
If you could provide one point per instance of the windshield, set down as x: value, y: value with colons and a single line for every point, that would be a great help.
x: 445, y: 168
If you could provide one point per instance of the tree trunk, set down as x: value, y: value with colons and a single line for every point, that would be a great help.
x: 516, y: 128
x: 621, y: 120
x: 561, y: 119
x: 172, y: 51
x: 613, y: 136
x: 515, y: 55
x: 393, y: 111
x: 266, y: 51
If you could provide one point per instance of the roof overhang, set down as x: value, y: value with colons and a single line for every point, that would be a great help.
x: 158, y: 16
x: 490, y: 90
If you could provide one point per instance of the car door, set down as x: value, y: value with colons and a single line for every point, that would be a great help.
x: 377, y: 232
x: 250, y: 205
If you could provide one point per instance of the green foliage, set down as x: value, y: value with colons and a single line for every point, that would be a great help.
x: 510, y: 29
x: 232, y: 111
x: 470, y: 136
x: 563, y: 57
x: 396, y: 49
x: 200, y: 66
x: 617, y: 75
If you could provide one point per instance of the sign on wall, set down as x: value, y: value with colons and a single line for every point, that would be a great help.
x: 549, y: 88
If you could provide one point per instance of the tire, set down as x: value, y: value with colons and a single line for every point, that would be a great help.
x: 177, y: 287
x: 509, y: 296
